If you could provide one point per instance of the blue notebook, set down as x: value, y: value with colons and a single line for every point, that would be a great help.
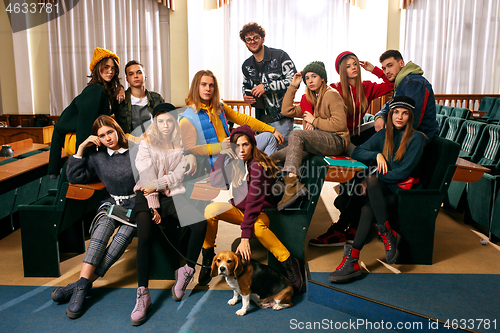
x: 344, y: 162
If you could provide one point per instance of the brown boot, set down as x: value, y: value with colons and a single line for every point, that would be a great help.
x: 293, y: 190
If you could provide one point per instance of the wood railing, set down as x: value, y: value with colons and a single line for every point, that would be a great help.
x: 468, y: 101
x: 245, y: 108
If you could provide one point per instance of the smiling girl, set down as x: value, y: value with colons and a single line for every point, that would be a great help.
x: 396, y: 151
x: 113, y: 166
x: 98, y: 97
x: 325, y: 130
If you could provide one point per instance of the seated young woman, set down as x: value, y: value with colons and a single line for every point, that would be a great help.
x: 396, y: 150
x: 204, y: 124
x: 250, y: 173
x: 325, y: 130
x: 112, y: 164
x: 160, y: 200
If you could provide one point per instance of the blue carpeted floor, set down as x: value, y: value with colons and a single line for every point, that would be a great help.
x: 473, y: 297
x: 30, y: 309
x: 443, y: 296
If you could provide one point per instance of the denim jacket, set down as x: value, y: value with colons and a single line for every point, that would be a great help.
x: 417, y: 87
x: 276, y: 75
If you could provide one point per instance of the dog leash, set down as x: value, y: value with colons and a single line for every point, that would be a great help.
x: 179, y: 252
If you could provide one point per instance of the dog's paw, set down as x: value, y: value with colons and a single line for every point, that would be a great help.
x: 232, y: 301
x: 241, y: 312
x: 277, y: 307
x: 266, y: 305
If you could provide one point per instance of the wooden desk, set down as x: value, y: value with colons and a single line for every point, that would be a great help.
x: 204, y: 191
x: 340, y: 174
x: 24, y: 146
x: 476, y: 114
x: 83, y: 191
x: 25, y: 165
x: 468, y: 172
x: 21, y: 172
x: 38, y: 134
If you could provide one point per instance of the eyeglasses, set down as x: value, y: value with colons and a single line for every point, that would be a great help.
x: 255, y: 39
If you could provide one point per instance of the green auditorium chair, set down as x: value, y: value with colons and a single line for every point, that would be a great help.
x: 446, y: 110
x: 451, y: 128
x: 441, y: 118
x: 468, y: 138
x: 438, y: 108
x: 495, y: 113
x: 460, y: 113
x: 483, y: 194
x: 51, y: 225
x: 486, y: 105
x: 292, y: 223
x: 418, y: 208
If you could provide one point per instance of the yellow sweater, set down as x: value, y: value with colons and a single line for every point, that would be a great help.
x: 189, y: 134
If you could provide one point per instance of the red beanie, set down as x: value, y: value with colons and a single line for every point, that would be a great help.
x: 341, y: 57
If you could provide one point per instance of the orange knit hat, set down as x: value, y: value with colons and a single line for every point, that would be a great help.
x: 99, y: 54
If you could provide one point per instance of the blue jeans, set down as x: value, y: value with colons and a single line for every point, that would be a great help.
x: 267, y: 142
x: 284, y: 126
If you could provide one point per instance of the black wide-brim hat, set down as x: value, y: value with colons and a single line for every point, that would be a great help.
x: 162, y: 108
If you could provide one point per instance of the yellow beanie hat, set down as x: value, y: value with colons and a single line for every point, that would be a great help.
x: 99, y: 54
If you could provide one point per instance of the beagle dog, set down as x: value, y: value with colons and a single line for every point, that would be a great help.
x: 253, y: 281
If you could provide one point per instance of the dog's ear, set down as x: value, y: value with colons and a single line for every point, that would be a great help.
x: 239, y: 265
x: 214, y: 267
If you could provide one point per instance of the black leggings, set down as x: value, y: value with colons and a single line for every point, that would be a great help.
x: 145, y: 226
x: 380, y: 200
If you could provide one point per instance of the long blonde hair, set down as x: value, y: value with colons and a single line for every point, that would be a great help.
x: 258, y: 155
x: 154, y: 136
x: 193, y: 98
x: 316, y: 99
x: 346, y: 90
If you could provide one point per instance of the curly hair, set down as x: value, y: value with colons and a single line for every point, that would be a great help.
x: 252, y: 27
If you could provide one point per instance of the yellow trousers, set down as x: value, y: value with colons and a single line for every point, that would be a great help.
x: 225, y: 211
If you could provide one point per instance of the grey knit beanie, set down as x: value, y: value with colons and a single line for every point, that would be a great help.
x: 317, y: 67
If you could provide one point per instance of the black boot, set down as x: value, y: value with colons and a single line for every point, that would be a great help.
x: 63, y: 294
x: 206, y: 271
x: 75, y: 306
x: 348, y: 268
x: 391, y: 241
x: 294, y: 273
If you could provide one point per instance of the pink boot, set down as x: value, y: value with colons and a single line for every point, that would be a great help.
x: 142, y: 306
x: 182, y: 278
